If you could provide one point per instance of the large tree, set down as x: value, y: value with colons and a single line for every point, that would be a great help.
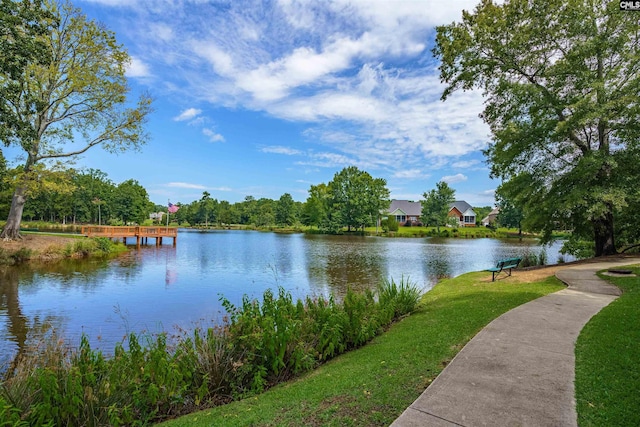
x: 316, y: 208
x: 131, y: 202
x: 356, y: 198
x: 206, y: 209
x: 561, y: 80
x: 510, y: 216
x: 436, y: 205
x: 74, y: 101
x: 286, y: 210
x: 22, y: 27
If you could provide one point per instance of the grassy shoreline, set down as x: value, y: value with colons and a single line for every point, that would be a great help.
x: 607, y: 374
x: 374, y: 384
x: 51, y: 247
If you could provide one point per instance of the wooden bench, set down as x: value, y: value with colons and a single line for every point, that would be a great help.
x: 504, y: 265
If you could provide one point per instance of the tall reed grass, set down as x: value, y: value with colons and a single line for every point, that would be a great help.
x: 260, y: 344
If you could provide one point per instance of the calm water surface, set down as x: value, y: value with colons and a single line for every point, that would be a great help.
x: 158, y: 288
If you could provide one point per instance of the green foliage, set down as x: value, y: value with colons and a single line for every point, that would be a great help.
x: 77, y: 91
x: 561, y: 104
x: 402, y: 298
x: 148, y: 379
x: 373, y: 385
x: 531, y: 259
x: 435, y: 206
x: 581, y: 249
x: 286, y: 212
x: 607, y: 377
x: 104, y: 245
x: 509, y: 216
x: 22, y: 27
x: 21, y: 255
x: 131, y: 202
x: 353, y: 199
x: 16, y: 257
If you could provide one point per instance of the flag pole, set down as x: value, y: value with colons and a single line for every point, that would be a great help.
x: 168, y: 213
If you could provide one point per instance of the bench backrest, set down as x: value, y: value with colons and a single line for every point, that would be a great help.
x: 508, y: 263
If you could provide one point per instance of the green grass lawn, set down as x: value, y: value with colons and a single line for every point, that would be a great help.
x: 461, y: 232
x: 607, y: 361
x: 373, y: 385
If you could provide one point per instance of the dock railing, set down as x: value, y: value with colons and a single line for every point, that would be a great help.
x: 115, y: 232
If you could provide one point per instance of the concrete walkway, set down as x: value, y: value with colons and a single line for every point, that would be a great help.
x: 519, y: 370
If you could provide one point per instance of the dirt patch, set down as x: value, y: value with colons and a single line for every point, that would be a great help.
x: 36, y: 243
x: 335, y: 407
x: 533, y: 274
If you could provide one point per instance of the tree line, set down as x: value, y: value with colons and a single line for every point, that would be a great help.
x: 72, y: 196
x: 561, y: 100
x: 352, y: 200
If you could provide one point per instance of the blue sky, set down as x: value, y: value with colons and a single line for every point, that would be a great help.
x: 263, y: 98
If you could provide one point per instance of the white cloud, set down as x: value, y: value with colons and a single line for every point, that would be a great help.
x: 452, y: 179
x: 186, y: 185
x: 359, y: 74
x: 212, y: 135
x: 137, y: 68
x: 465, y: 164
x: 328, y: 160
x: 188, y: 114
x: 281, y: 150
x: 410, y: 174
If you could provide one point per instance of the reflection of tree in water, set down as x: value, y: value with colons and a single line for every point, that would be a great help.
x: 344, y: 263
x: 11, y: 311
x: 20, y: 331
x: 438, y: 268
x: 439, y: 259
x: 68, y: 273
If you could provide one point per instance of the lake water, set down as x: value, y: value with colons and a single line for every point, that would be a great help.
x: 155, y: 289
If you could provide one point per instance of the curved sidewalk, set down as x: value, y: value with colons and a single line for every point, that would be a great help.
x: 519, y: 370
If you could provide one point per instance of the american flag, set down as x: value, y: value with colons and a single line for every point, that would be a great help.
x: 172, y: 208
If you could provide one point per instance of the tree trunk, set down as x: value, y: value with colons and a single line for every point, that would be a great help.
x: 11, y: 230
x: 604, y: 235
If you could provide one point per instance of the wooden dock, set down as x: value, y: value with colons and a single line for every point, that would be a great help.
x: 141, y: 234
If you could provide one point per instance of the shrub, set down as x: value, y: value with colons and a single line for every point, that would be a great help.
x: 529, y: 260
x: 21, y: 255
x: 392, y: 224
x: 400, y: 299
x: 579, y: 249
x: 542, y: 257
x: 260, y: 344
x: 104, y: 245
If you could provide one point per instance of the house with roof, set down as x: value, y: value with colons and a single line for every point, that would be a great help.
x: 156, y: 216
x: 491, y: 218
x: 405, y: 211
x: 463, y: 212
